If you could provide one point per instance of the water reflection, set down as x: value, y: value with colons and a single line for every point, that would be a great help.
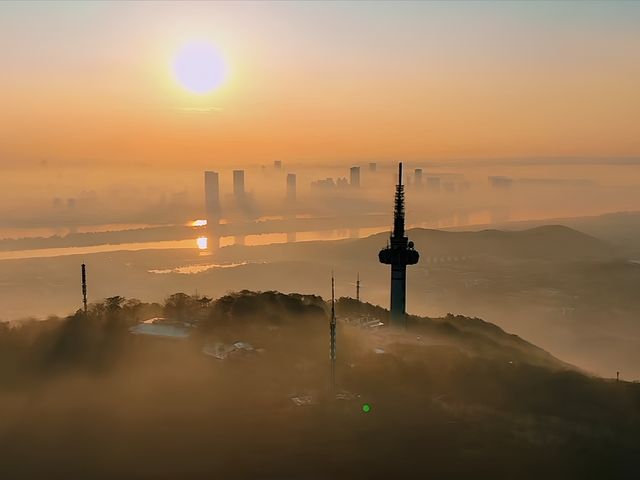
x: 210, y: 239
x: 293, y: 237
x: 202, y: 243
x: 191, y: 269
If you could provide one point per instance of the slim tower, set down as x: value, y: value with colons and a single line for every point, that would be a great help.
x: 399, y: 253
x: 291, y: 187
x: 238, y: 184
x: 358, y: 287
x: 354, y: 177
x: 332, y: 332
x: 418, y: 177
x: 211, y: 196
x: 84, y: 287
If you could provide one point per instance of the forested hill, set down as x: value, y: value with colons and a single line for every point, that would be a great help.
x: 109, y: 322
x: 452, y: 397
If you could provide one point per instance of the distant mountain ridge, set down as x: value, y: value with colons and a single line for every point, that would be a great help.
x: 550, y: 242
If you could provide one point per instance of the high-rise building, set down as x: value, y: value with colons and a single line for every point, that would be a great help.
x: 277, y: 164
x: 373, y: 166
x: 238, y: 184
x: 291, y: 187
x: 323, y: 184
x: 417, y: 177
x: 354, y: 177
x: 399, y: 253
x: 211, y: 195
x: 433, y: 183
x: 499, y: 181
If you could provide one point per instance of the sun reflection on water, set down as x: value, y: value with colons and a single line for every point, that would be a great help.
x: 202, y: 242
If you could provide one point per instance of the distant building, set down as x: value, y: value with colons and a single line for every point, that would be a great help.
x: 417, y: 178
x: 330, y: 184
x: 211, y: 195
x: 373, y: 166
x: 162, y: 328
x: 433, y: 183
x: 277, y: 165
x: 354, y: 177
x: 238, y: 184
x: 498, y: 181
x: 291, y: 187
x: 324, y: 184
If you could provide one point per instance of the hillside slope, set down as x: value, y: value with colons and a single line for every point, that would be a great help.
x: 450, y: 398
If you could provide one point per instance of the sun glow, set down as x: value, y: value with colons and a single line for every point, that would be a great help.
x: 199, y: 67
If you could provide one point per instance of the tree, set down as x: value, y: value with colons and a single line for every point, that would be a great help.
x: 114, y: 304
x: 181, y: 307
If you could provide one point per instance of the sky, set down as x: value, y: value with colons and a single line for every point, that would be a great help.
x: 319, y: 82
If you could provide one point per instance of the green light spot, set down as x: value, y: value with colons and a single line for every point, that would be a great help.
x: 366, y: 408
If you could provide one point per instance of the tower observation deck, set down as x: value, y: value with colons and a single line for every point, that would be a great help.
x: 399, y: 253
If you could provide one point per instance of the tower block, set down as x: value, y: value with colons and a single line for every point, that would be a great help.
x: 399, y: 253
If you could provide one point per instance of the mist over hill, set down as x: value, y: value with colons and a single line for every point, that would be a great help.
x: 569, y: 292
x: 619, y: 229
x: 449, y: 397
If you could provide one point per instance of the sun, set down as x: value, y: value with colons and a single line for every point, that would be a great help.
x: 199, y: 67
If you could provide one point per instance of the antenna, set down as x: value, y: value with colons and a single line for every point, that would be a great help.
x: 332, y: 331
x: 358, y: 285
x: 398, y: 210
x: 333, y: 297
x: 84, y: 287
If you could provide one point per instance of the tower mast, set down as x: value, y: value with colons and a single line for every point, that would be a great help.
x: 84, y: 287
x: 358, y: 287
x: 399, y: 253
x: 332, y: 331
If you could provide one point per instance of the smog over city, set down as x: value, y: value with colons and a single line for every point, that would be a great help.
x: 320, y: 240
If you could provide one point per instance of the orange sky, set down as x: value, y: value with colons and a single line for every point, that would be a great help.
x: 321, y: 82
